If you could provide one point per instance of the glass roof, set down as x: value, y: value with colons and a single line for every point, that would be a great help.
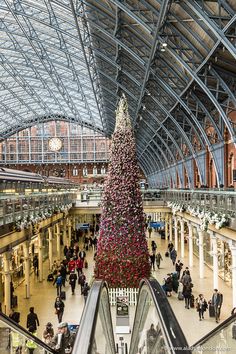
x: 43, y: 71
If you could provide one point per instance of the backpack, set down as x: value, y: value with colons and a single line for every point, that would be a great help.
x: 59, y: 280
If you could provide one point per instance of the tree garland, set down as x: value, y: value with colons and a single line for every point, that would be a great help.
x: 206, y: 217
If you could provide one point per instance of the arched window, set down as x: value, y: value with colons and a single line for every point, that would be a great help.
x: 85, y: 171
x: 95, y: 171
x: 75, y: 171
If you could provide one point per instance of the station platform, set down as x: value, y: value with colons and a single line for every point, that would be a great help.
x: 43, y: 295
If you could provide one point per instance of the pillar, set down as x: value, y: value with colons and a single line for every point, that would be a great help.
x: 190, y: 244
x: 170, y: 228
x: 50, y: 248
x: 7, y: 282
x: 64, y: 233
x: 215, y: 261
x: 27, y: 269
x: 58, y: 241
x: 40, y: 244
x: 74, y: 223
x: 201, y: 255
x: 166, y: 226
x: 233, y: 252
x: 182, y: 238
x: 176, y: 233
x: 69, y: 232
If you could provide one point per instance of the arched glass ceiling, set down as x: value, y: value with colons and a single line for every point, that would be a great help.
x: 175, y: 60
x: 43, y: 68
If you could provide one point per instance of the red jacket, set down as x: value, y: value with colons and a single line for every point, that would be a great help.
x: 72, y: 265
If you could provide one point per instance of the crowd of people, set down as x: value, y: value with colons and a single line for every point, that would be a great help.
x: 68, y: 271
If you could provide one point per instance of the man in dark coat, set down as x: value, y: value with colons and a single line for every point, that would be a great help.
x: 32, y: 319
x: 217, y: 300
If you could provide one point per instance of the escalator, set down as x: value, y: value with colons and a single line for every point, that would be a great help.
x: 155, y: 329
x: 14, y: 339
x: 221, y: 340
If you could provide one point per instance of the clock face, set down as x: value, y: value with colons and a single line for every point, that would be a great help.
x: 55, y: 144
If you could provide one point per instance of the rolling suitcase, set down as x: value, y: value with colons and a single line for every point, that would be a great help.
x: 180, y: 295
x: 63, y: 295
x: 211, y: 311
x: 192, y: 301
x: 167, y: 254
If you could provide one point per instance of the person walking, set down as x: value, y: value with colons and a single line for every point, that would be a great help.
x: 178, y: 268
x: 72, y: 281
x: 58, y: 282
x: 187, y: 292
x: 48, y: 333
x: 173, y: 255
x: 201, y: 306
x: 59, y: 308
x: 158, y: 260
x: 36, y: 265
x: 81, y: 281
x: 32, y: 320
x: 85, y: 291
x: 217, y: 300
x: 152, y: 259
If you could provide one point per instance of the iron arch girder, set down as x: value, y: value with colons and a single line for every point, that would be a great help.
x: 179, y: 128
x: 153, y: 164
x: 168, y: 134
x: 211, y: 25
x: 186, y: 108
x: 149, y: 164
x: 144, y: 167
x: 158, y: 147
x: 155, y: 154
x: 206, y: 91
x: 52, y: 73
x: 162, y: 140
x: 88, y: 64
x: 42, y: 119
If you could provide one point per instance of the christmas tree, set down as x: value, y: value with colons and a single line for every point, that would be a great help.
x: 122, y: 255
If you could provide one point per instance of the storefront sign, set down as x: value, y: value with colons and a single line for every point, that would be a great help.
x: 83, y: 226
x: 157, y: 224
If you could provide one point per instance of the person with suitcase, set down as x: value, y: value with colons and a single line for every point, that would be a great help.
x: 58, y: 282
x: 201, y: 306
x: 216, y: 301
x: 59, y: 308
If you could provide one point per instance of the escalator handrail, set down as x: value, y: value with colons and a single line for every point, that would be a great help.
x: 18, y: 328
x: 213, y: 332
x: 174, y: 334
x: 84, y: 338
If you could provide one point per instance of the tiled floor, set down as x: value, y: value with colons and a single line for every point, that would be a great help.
x: 43, y: 297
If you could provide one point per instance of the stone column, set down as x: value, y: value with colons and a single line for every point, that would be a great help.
x: 166, y: 226
x: 7, y: 282
x: 201, y: 254
x: 233, y: 252
x: 176, y: 233
x: 215, y: 260
x: 190, y: 244
x: 64, y: 233
x: 69, y: 231
x: 182, y: 238
x: 171, y: 227
x: 27, y: 269
x: 40, y: 247
x: 50, y: 248
x: 58, y: 241
x: 74, y: 223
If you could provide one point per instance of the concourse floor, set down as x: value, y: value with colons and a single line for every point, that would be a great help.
x: 43, y: 295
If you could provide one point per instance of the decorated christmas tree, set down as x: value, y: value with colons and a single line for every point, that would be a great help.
x: 122, y: 255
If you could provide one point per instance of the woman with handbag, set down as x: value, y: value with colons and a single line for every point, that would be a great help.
x: 201, y: 306
x: 59, y: 308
